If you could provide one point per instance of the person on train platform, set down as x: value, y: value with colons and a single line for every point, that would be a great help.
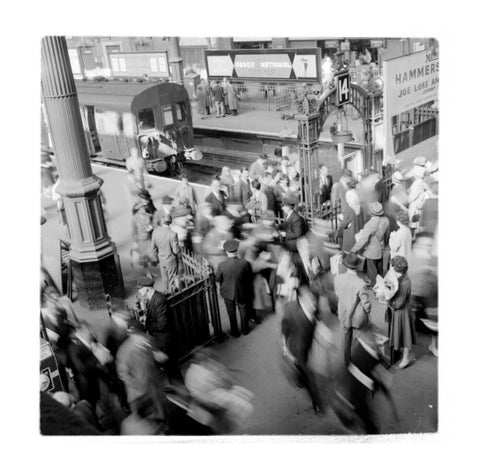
x: 241, y: 189
x: 398, y: 197
x: 236, y: 287
x: 212, y: 244
x: 186, y: 192
x: 232, y: 98
x: 142, y: 229
x: 294, y: 226
x: 218, y: 98
x: 266, y: 186
x: 258, y: 202
x: 352, y: 222
x: 257, y: 168
x: 208, y: 93
x: 340, y: 188
x: 201, y: 97
x: 167, y: 249
x: 239, y: 217
x: 216, y: 197
x: 162, y: 214
x: 136, y: 171
x: 227, y: 182
x: 325, y: 184
x: 182, y: 225
x: 225, y: 96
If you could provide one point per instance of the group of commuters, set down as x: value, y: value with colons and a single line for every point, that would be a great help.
x: 268, y: 258
x: 219, y: 96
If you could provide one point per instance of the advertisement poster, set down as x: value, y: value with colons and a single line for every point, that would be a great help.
x: 410, y: 81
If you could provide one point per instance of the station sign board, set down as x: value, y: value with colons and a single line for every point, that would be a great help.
x: 332, y: 44
x: 377, y: 43
x: 342, y: 82
x: 279, y: 64
x: 136, y: 64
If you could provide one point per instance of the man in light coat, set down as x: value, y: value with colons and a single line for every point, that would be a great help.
x: 371, y: 239
x: 354, y: 303
x: 166, y: 247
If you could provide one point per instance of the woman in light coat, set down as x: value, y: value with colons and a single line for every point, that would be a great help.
x: 400, y: 242
x: 231, y: 97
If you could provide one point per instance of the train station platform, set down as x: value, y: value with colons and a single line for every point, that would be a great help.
x: 266, y: 124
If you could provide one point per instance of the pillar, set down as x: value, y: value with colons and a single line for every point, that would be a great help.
x: 95, y: 263
x: 176, y: 61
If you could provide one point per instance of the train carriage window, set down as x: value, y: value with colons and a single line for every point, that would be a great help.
x: 146, y: 119
x: 167, y: 115
x: 181, y: 111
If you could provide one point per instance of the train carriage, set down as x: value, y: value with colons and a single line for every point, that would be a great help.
x: 153, y: 117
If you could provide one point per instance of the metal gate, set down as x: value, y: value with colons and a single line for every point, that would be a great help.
x: 193, y: 307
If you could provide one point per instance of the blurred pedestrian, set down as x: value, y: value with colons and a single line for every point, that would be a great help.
x: 294, y: 226
x: 298, y: 328
x: 162, y: 214
x: 136, y: 171
x: 226, y: 182
x: 325, y: 184
x: 212, y: 245
x: 352, y: 222
x: 241, y: 189
x: 142, y: 229
x: 136, y: 366
x: 185, y: 192
x: 236, y: 287
x: 258, y: 203
x: 201, y: 97
x: 340, y: 188
x: 354, y: 304
x: 356, y: 384
x: 257, y: 168
x: 401, y: 325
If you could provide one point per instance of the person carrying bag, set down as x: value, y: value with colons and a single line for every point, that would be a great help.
x: 370, y: 242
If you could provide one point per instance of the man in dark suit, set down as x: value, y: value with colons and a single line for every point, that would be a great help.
x: 236, y: 287
x: 326, y: 184
x: 241, y: 189
x: 294, y: 225
x: 298, y: 330
x: 216, y: 198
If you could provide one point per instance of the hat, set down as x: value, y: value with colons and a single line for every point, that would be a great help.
x: 231, y: 246
x: 420, y: 161
x: 145, y: 282
x: 351, y: 260
x: 397, y: 177
x: 375, y: 208
x: 290, y: 199
x: 180, y: 212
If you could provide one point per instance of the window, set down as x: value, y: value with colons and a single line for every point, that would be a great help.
x: 115, y: 65
x: 123, y: 66
x: 146, y: 119
x: 181, y: 112
x: 167, y: 115
x: 153, y: 64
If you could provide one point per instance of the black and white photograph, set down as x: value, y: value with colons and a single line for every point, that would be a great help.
x: 225, y: 246
x: 239, y: 235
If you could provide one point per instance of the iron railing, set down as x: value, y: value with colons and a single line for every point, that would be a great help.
x: 193, y: 307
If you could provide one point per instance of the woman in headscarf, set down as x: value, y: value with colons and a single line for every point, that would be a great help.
x: 353, y: 221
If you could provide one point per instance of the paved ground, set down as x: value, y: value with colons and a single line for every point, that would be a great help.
x: 280, y: 408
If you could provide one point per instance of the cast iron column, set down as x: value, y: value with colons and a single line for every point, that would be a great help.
x: 95, y: 263
x: 176, y: 61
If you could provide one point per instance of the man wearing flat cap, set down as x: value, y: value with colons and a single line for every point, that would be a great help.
x: 236, y: 287
x: 294, y: 225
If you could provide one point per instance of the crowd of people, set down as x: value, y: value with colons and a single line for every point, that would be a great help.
x: 267, y: 258
x: 218, y: 96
